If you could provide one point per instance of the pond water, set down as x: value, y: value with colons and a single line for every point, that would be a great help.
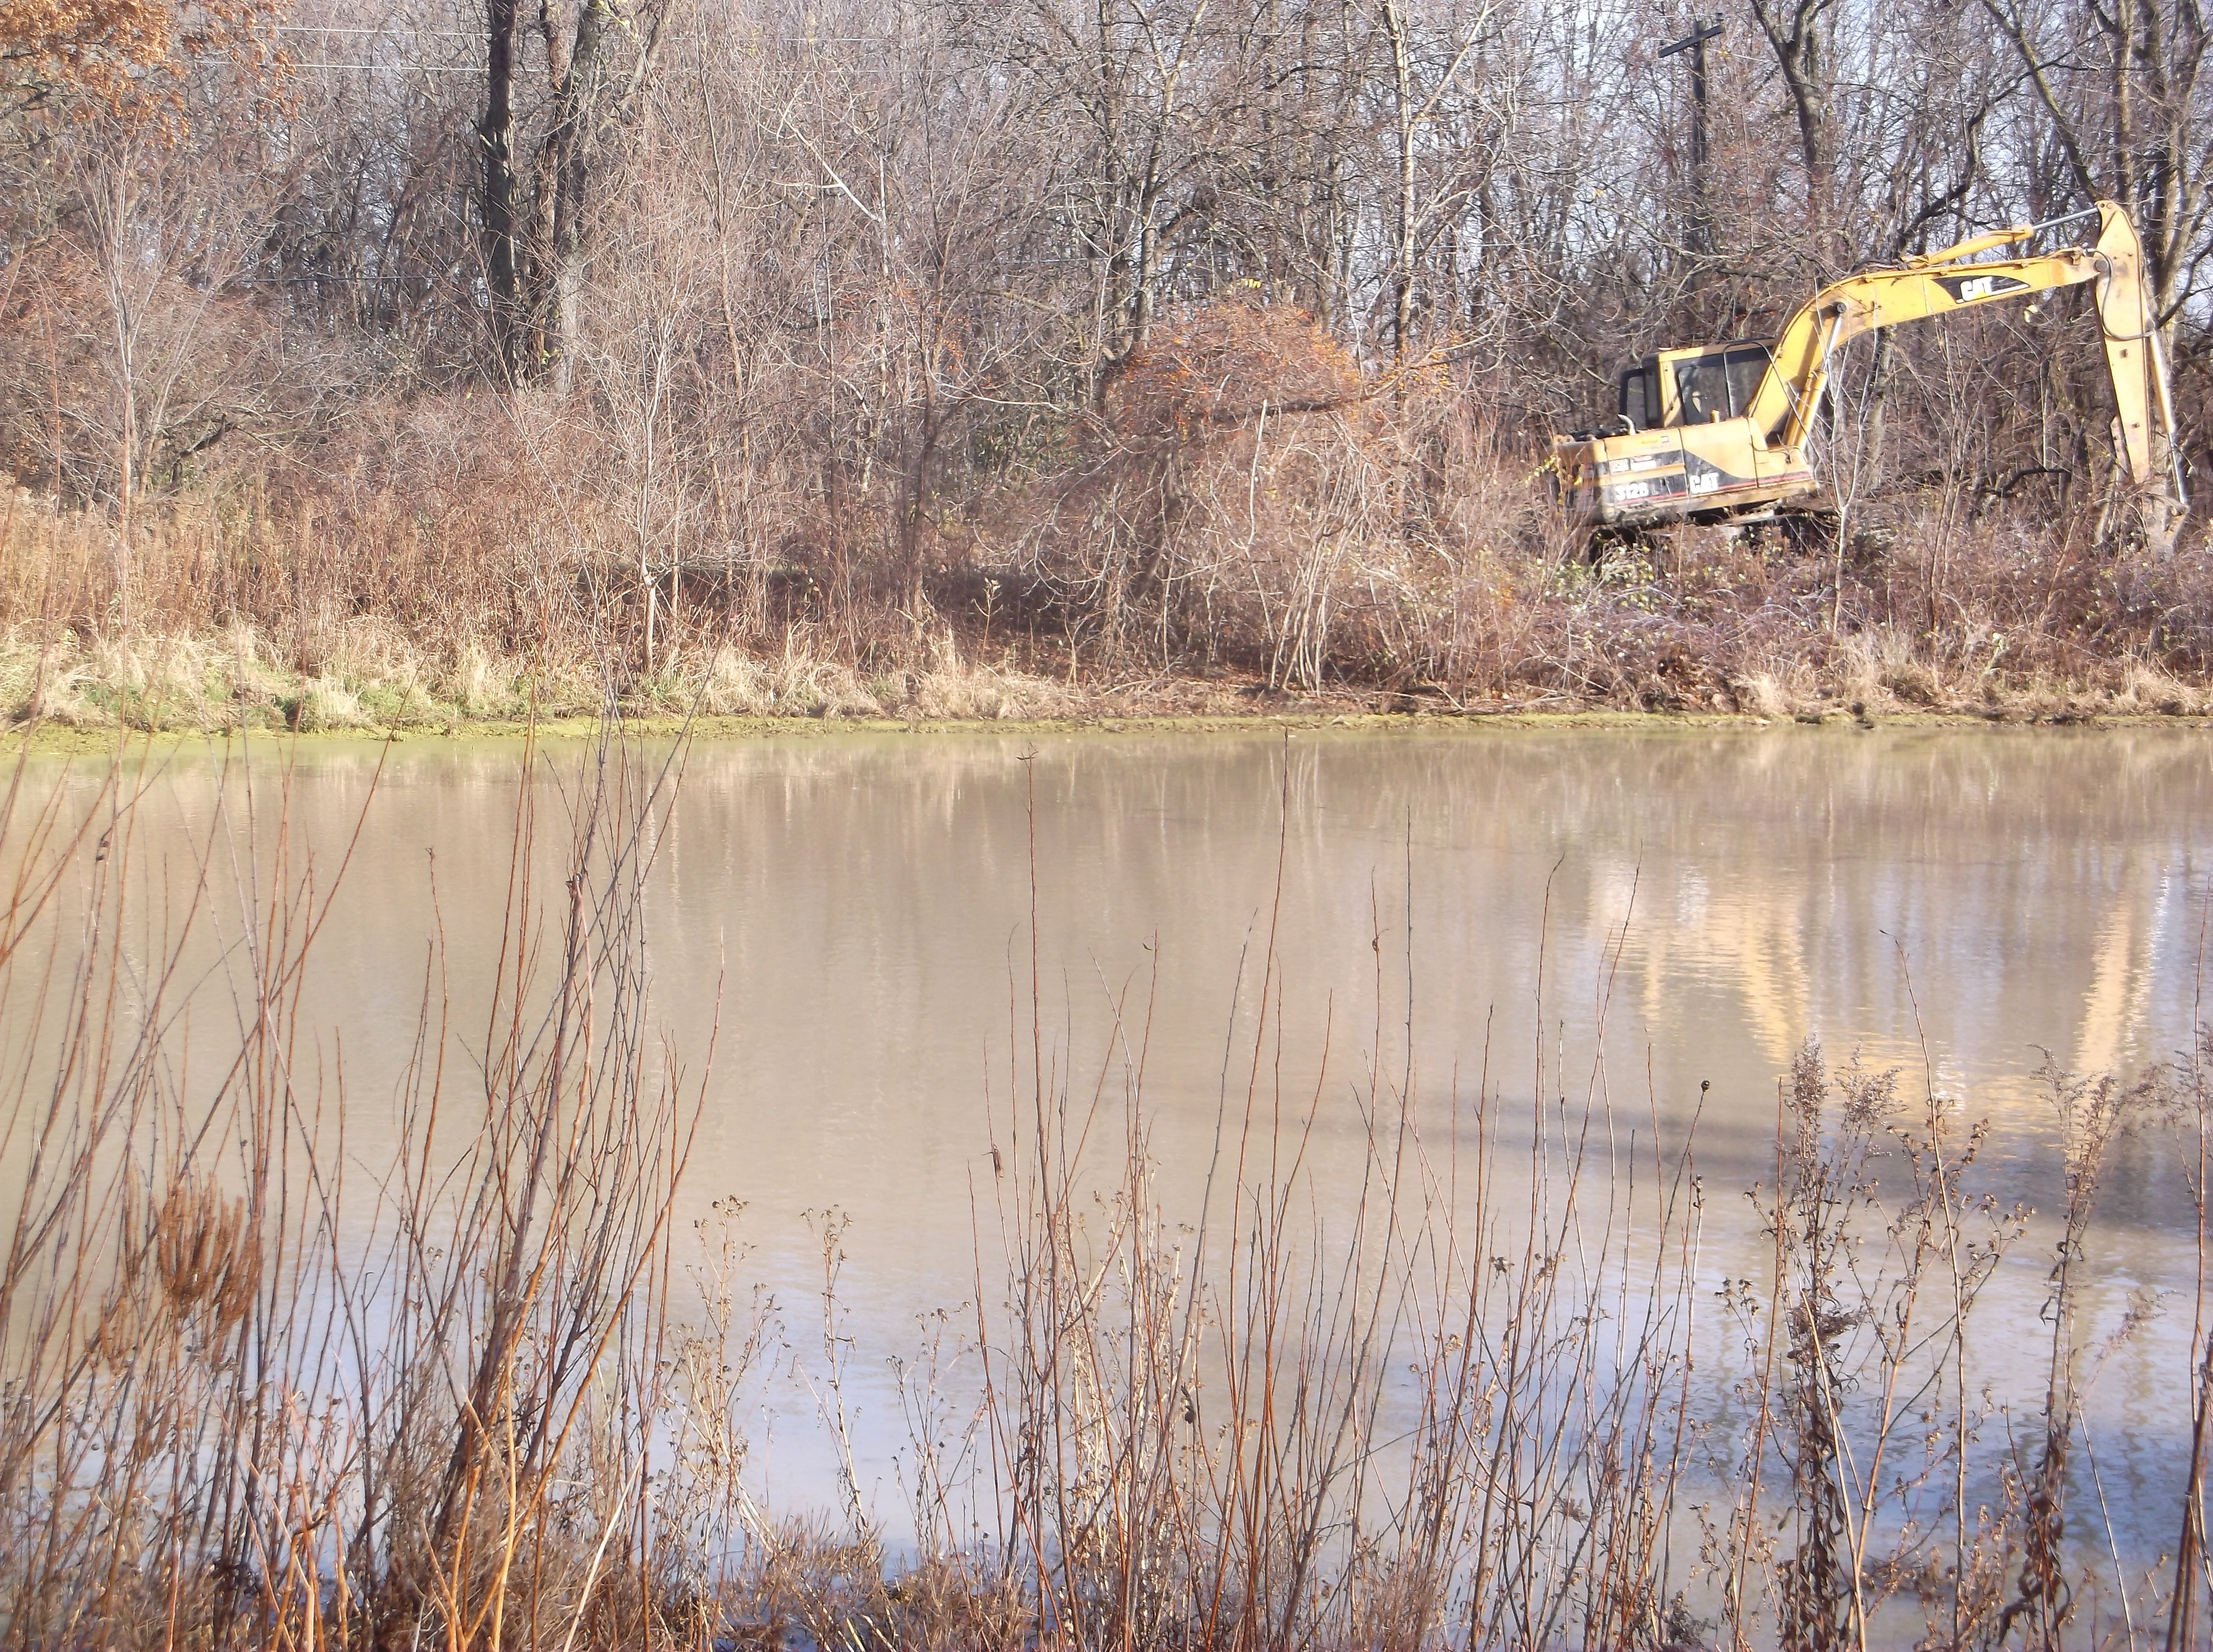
x: 1674, y: 911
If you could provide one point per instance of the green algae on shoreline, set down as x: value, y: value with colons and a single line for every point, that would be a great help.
x: 67, y: 739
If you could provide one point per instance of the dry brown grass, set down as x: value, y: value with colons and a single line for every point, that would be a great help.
x: 1248, y: 518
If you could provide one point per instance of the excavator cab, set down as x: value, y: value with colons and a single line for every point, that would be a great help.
x: 1682, y: 443
x: 1692, y: 386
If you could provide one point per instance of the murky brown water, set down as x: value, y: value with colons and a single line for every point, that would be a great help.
x: 1698, y: 903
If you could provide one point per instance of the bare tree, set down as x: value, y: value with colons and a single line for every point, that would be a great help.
x: 2123, y: 89
x: 597, y: 57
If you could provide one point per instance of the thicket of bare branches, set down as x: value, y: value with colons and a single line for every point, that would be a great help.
x: 1099, y: 344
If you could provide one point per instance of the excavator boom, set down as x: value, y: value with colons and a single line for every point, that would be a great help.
x: 1710, y: 433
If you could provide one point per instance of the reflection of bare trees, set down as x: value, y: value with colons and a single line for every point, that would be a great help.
x: 666, y: 326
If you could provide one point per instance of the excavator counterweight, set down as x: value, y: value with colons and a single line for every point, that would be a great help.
x: 1712, y: 433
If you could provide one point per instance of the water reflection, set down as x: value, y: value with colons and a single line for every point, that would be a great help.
x: 1665, y: 907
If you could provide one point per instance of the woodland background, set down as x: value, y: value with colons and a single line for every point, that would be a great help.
x: 388, y: 363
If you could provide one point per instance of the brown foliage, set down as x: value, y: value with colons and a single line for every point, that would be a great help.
x: 873, y: 340
x: 127, y: 58
x: 1223, y: 365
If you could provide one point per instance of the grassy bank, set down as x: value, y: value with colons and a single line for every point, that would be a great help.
x: 219, y: 610
x: 264, y: 1392
x: 374, y: 681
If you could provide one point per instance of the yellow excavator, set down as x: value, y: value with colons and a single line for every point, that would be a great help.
x: 1721, y: 433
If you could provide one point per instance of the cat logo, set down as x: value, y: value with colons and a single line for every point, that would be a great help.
x: 1969, y: 290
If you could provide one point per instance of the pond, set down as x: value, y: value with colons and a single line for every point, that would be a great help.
x: 860, y: 946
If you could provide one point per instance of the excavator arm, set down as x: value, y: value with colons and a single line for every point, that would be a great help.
x: 1938, y: 283
x: 1720, y: 432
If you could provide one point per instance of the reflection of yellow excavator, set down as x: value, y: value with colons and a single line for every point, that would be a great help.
x: 1715, y: 433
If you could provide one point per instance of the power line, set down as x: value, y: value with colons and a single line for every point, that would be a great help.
x: 682, y: 71
x: 478, y: 35
x: 358, y: 28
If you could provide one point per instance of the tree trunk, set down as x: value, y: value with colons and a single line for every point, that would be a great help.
x: 578, y: 86
x: 496, y: 136
x: 1793, y: 29
x: 1402, y: 279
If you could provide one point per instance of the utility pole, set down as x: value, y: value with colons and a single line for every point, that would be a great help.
x: 1701, y: 236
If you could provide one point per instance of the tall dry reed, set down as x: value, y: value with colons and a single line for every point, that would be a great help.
x: 251, y: 1400
x: 1487, y: 1391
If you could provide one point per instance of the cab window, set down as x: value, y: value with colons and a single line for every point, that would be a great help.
x: 1640, y: 395
x: 1747, y: 365
x: 1701, y: 390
